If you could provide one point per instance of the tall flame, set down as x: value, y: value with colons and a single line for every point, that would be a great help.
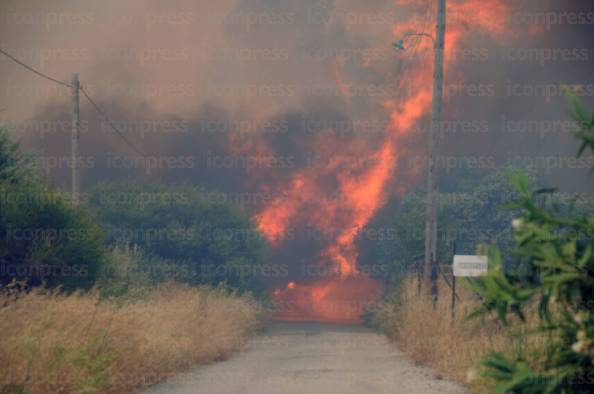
x: 342, y: 296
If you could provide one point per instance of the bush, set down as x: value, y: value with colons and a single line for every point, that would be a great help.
x: 556, y: 247
x: 44, y: 238
x: 14, y: 166
x: 430, y: 335
x: 209, y: 242
x: 130, y: 272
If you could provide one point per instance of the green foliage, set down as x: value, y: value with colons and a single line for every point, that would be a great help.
x: 90, y: 360
x: 461, y: 220
x: 44, y: 238
x: 125, y: 272
x: 478, y: 215
x: 399, y: 241
x: 555, y: 247
x: 208, y: 242
x: 14, y: 166
x: 130, y: 272
x: 586, y: 122
x: 93, y: 364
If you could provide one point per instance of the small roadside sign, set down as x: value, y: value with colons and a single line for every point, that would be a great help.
x: 470, y: 265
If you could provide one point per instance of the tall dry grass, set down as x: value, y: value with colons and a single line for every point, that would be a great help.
x: 451, y: 346
x: 53, y: 343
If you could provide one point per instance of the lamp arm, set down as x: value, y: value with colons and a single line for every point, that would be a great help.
x: 420, y: 35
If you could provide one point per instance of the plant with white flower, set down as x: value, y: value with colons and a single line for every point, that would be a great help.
x: 557, y: 249
x: 517, y: 223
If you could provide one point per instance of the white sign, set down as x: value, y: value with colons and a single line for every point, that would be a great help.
x: 465, y: 265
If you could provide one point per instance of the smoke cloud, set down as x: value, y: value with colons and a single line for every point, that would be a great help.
x: 246, y: 96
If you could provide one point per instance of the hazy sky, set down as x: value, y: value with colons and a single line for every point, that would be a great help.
x: 185, y: 72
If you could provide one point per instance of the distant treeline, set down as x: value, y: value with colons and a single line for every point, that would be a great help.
x: 127, y: 233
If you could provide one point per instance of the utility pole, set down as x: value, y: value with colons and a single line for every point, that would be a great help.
x: 431, y: 265
x: 75, y: 137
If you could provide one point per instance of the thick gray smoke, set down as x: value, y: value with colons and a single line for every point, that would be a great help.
x: 198, y: 87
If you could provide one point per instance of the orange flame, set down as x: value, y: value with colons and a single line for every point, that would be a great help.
x: 337, y: 301
x: 364, y: 191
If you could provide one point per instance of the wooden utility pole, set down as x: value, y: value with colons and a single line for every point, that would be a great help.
x: 75, y: 137
x: 431, y: 266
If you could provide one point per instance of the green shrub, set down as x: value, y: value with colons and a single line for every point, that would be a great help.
x: 394, y: 240
x: 131, y: 272
x: 44, y: 238
x: 556, y: 248
x: 209, y: 242
x: 14, y: 166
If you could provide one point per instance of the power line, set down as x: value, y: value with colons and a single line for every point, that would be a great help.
x: 14, y: 59
x: 95, y: 105
x: 109, y: 122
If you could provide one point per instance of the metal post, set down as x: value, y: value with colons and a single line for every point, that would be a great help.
x: 431, y: 267
x: 453, y: 298
x: 454, y: 289
x: 75, y: 137
x: 419, y: 269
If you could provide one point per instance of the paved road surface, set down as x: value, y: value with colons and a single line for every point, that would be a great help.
x: 314, y: 358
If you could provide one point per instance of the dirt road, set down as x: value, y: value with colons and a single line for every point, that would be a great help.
x: 311, y: 358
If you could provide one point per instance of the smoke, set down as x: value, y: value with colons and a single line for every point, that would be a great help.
x: 288, y: 107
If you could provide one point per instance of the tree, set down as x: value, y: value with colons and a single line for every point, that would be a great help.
x: 210, y: 241
x: 462, y: 220
x: 44, y: 239
x: 14, y: 166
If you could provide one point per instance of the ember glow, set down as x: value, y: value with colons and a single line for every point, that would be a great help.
x: 337, y: 300
x: 343, y: 293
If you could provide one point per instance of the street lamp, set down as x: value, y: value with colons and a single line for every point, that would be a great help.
x: 400, y: 43
x: 431, y: 264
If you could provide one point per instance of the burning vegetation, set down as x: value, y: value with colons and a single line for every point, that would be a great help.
x: 342, y: 293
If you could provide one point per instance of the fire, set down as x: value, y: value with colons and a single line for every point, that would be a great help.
x: 331, y: 300
x: 273, y: 222
x: 344, y: 293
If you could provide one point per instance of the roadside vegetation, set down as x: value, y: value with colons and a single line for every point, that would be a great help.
x: 527, y: 326
x: 120, y: 293
x: 450, y: 345
x: 187, y: 234
x: 463, y: 225
x: 555, y: 248
x: 54, y: 342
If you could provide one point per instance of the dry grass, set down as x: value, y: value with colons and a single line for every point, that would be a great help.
x: 53, y: 343
x: 453, y: 347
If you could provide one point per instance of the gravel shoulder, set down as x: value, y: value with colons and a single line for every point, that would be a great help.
x: 312, y: 358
